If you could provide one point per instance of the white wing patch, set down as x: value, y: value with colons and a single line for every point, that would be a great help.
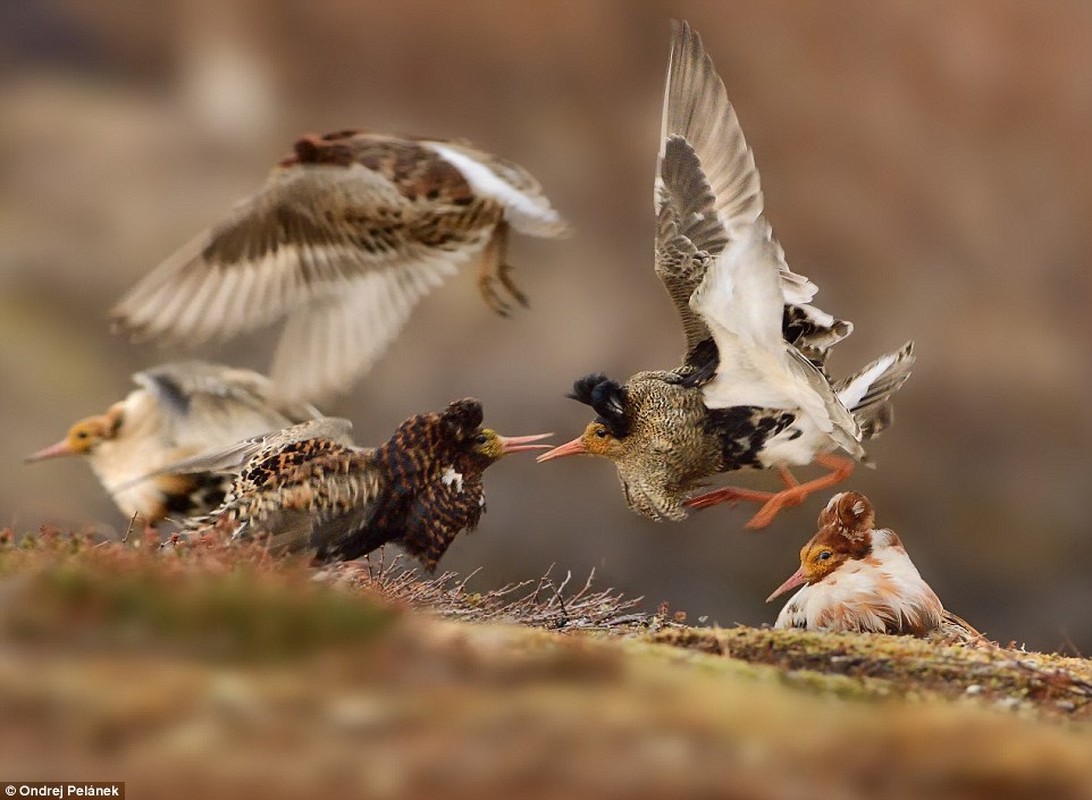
x: 528, y: 213
x: 452, y: 478
x: 854, y: 392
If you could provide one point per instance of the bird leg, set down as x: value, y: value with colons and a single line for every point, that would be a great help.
x: 793, y: 494
x: 494, y: 268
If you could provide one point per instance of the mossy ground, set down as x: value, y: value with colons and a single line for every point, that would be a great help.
x: 223, y: 671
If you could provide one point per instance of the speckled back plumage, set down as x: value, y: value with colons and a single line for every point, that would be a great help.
x: 420, y: 489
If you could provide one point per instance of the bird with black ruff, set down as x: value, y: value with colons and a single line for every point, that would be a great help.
x: 179, y: 410
x: 347, y: 235
x: 752, y: 390
x: 310, y: 489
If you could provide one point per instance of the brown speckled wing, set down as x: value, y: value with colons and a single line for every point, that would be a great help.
x: 708, y: 191
x: 343, y: 249
x: 317, y: 503
x: 688, y: 234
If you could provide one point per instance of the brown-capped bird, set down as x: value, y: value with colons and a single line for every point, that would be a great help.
x: 343, y: 240
x: 752, y: 391
x: 857, y: 577
x: 308, y: 488
x: 179, y: 410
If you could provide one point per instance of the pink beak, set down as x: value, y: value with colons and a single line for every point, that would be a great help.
x: 519, y: 444
x: 62, y: 448
x: 574, y: 448
x: 794, y: 580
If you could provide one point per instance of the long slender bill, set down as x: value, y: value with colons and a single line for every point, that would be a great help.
x: 62, y: 448
x: 574, y: 448
x: 518, y: 444
x: 794, y: 580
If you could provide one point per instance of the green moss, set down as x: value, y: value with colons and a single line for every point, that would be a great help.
x: 220, y: 603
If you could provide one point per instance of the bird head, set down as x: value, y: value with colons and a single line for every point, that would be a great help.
x: 603, y: 436
x: 490, y: 446
x: 82, y: 438
x: 461, y: 422
x: 844, y: 534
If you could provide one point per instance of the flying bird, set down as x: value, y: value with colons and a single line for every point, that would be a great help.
x: 752, y: 390
x: 309, y: 488
x: 345, y: 237
x: 857, y: 577
x: 178, y: 410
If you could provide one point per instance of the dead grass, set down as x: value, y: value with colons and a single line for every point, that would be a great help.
x: 219, y: 671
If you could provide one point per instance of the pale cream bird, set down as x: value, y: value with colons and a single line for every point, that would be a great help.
x: 179, y: 410
x: 345, y: 237
x: 857, y: 577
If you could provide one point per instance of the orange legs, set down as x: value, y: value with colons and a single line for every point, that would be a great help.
x: 793, y: 494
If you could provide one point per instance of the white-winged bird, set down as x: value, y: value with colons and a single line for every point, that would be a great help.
x: 308, y: 488
x: 179, y: 410
x: 343, y: 240
x: 752, y: 391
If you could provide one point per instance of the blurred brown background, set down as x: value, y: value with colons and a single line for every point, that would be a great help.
x: 929, y: 165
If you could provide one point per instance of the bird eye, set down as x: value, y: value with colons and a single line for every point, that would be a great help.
x: 601, y: 433
x: 81, y: 435
x: 824, y: 555
x: 481, y: 438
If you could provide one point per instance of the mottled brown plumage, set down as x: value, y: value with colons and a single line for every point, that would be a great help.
x: 752, y: 391
x: 346, y: 236
x: 308, y: 488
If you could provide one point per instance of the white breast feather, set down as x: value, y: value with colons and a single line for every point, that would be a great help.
x: 850, y: 599
x: 452, y: 478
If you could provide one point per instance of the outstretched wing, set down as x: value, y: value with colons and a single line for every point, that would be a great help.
x: 341, y: 248
x: 716, y: 249
x: 708, y: 194
x: 206, y: 405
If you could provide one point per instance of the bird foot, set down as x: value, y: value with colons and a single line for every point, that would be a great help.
x: 504, y: 275
x: 786, y: 498
x: 487, y: 285
x: 793, y: 494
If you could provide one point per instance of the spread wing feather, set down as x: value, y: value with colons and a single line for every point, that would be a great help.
x: 715, y: 249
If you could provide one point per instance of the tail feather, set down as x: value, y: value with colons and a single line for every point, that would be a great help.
x: 812, y: 331
x: 867, y: 393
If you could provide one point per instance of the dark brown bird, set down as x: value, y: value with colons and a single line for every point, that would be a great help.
x: 346, y: 236
x: 752, y: 391
x: 309, y: 488
x: 179, y: 410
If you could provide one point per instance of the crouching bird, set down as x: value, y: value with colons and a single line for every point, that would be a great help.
x: 179, y: 410
x: 309, y: 488
x: 857, y: 577
x: 752, y: 391
x: 348, y: 233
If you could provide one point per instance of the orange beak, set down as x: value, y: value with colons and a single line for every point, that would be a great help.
x: 519, y: 444
x: 574, y: 448
x: 794, y: 580
x: 62, y: 448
